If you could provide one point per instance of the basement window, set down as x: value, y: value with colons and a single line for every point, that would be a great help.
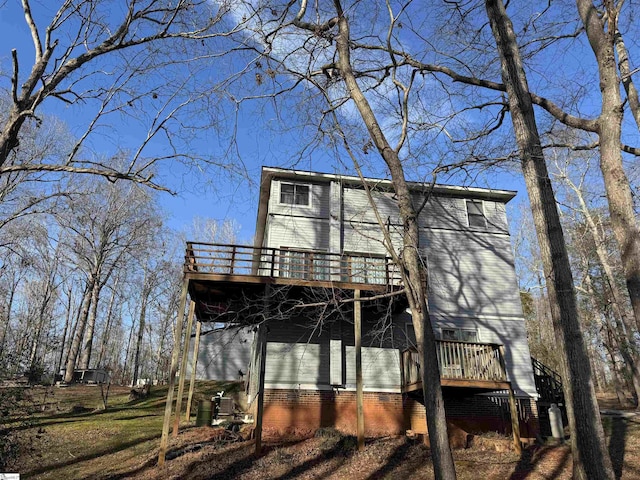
x: 475, y: 214
x: 295, y: 194
x: 459, y: 334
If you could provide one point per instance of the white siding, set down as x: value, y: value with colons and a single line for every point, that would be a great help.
x: 299, y: 232
x: 222, y: 353
x: 358, y: 209
x: 366, y: 238
x: 380, y: 368
x: 471, y: 273
x: 296, y: 354
x: 297, y: 363
x: 320, y: 198
x: 442, y: 212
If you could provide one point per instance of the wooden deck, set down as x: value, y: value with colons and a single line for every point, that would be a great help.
x: 462, y: 364
x: 279, y: 266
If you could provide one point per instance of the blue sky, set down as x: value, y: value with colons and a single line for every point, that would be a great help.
x: 201, y: 193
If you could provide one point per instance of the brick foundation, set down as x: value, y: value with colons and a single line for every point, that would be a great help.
x: 391, y: 413
x: 310, y: 410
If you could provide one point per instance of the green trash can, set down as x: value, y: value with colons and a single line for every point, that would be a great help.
x: 205, y: 408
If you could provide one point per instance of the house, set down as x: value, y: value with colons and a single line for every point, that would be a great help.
x: 318, y: 242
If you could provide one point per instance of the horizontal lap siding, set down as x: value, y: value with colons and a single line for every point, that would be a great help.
x: 357, y: 208
x: 299, y: 232
x: 471, y: 273
x: 366, y: 238
x: 296, y: 354
x: 380, y: 368
x: 222, y: 353
x: 442, y: 212
x: 320, y: 198
x: 451, y: 213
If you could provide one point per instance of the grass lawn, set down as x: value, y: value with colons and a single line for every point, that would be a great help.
x: 74, y: 438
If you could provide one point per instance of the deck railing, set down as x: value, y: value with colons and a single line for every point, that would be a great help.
x: 458, y: 360
x: 291, y: 263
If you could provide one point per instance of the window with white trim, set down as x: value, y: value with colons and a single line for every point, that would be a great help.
x: 475, y: 214
x: 295, y: 194
x: 365, y: 269
x: 303, y: 264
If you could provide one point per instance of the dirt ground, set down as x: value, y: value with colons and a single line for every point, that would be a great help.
x: 72, y: 439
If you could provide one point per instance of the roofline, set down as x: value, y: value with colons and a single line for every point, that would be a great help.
x: 268, y: 173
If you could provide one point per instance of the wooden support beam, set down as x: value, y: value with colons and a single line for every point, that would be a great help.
x: 515, y: 422
x: 262, y: 348
x: 357, y: 325
x: 194, y: 365
x: 183, y: 369
x: 177, y: 340
x: 262, y: 356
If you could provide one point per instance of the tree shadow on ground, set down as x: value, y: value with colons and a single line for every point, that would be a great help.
x: 395, y: 459
x: 533, y: 456
x: 108, y: 450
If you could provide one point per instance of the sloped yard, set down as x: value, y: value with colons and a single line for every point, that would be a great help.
x: 74, y: 439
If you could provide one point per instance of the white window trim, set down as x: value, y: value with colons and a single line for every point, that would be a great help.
x: 484, y: 212
x: 309, y: 202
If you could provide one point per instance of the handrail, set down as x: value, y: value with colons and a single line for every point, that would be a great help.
x: 458, y: 360
x: 292, y: 263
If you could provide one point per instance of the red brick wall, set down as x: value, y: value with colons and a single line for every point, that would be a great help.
x: 390, y: 413
x: 310, y: 410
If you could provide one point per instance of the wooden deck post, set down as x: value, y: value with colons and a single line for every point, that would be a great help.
x: 194, y: 365
x: 515, y: 422
x: 177, y: 340
x: 262, y: 349
x: 262, y: 346
x: 183, y: 369
x: 357, y: 325
x: 513, y: 408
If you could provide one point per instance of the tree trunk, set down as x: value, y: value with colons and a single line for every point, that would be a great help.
x: 64, y: 332
x: 126, y: 354
x: 80, y: 327
x: 616, y: 182
x: 163, y: 335
x: 142, y: 321
x: 590, y: 457
x: 414, y: 270
x: 85, y: 359
x: 42, y: 318
x: 107, y: 328
x: 629, y: 347
x: 7, y: 322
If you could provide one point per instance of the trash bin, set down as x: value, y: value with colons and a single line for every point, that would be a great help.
x: 203, y: 419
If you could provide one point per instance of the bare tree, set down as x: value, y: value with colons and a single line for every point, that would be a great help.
x: 106, y: 228
x: 590, y: 457
x: 137, y: 61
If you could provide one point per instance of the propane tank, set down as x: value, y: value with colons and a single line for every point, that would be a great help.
x: 555, y: 418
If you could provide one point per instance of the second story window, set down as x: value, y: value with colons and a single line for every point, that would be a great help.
x: 294, y: 194
x: 475, y: 214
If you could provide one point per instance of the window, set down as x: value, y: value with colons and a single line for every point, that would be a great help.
x: 294, y: 194
x: 475, y: 214
x: 459, y: 335
x: 372, y: 270
x: 305, y: 265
